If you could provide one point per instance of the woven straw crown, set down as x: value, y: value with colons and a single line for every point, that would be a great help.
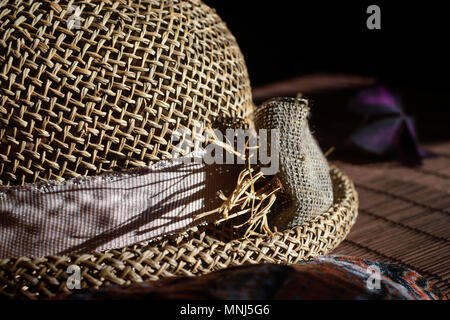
x: 92, y: 86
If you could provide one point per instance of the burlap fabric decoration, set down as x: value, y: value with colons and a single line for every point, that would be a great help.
x: 94, y: 86
x: 304, y: 171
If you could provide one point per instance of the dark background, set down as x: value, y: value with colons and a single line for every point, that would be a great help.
x: 286, y: 38
x: 283, y: 39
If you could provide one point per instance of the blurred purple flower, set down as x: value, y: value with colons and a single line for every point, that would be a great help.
x: 388, y: 127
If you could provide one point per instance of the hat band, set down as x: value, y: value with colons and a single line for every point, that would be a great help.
x: 111, y: 210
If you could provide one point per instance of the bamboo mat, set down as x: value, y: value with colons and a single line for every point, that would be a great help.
x: 404, y: 215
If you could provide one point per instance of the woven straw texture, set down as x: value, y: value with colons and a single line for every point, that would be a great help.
x: 196, y: 252
x: 303, y: 171
x: 93, y: 86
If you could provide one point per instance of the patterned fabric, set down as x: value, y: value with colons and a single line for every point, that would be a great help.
x: 327, y: 277
x: 112, y: 210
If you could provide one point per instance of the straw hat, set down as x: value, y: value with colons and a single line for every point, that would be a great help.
x: 94, y: 87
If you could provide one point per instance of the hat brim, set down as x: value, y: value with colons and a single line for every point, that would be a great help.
x: 198, y: 251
